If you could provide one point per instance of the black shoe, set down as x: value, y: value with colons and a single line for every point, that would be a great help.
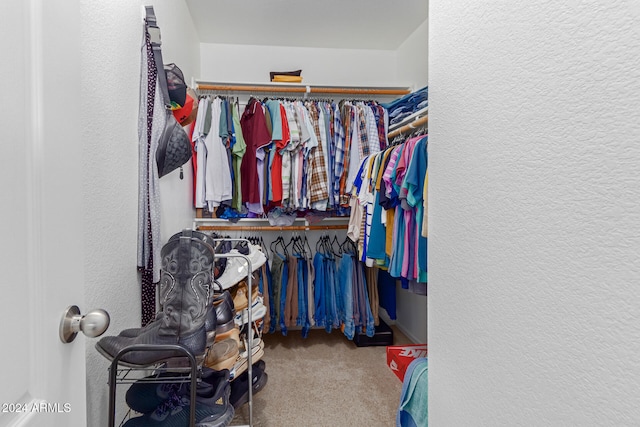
x: 240, y: 386
x: 212, y: 406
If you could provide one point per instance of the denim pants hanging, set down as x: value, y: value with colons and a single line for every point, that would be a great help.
x: 303, y: 296
x: 318, y: 290
x: 346, y: 280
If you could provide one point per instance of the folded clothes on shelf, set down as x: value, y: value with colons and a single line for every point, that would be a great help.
x: 286, y: 79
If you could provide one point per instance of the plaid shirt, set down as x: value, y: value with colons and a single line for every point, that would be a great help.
x: 317, y: 171
x: 349, y: 118
x: 339, y: 158
x: 362, y: 127
x: 372, y: 130
x: 379, y: 112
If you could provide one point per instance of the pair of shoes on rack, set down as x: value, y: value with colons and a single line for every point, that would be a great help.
x: 242, y: 362
x: 219, y: 321
x: 168, y: 406
x: 258, y: 311
x: 225, y: 312
x: 237, y: 268
x: 240, y: 292
x: 240, y: 386
x: 210, y: 326
x: 222, y: 355
x: 186, y: 297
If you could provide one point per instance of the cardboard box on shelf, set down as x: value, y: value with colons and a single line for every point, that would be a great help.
x: 400, y: 356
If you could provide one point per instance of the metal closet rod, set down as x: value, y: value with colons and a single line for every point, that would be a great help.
x: 302, y: 89
x: 409, y: 127
x: 271, y: 228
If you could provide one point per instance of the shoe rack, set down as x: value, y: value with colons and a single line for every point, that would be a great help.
x: 125, y: 375
x: 249, y: 318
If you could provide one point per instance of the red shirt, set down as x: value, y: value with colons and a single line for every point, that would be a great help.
x: 276, y: 166
x: 256, y: 134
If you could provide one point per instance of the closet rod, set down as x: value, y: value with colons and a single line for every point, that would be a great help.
x: 302, y: 89
x: 409, y: 127
x: 356, y: 91
x: 272, y: 228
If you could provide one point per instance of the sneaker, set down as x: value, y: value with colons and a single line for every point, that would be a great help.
x: 237, y: 270
x: 146, y: 394
x: 240, y: 387
x: 213, y: 408
x: 258, y: 311
x: 257, y: 352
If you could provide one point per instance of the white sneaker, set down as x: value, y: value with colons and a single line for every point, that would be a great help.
x: 236, y: 269
x: 258, y: 311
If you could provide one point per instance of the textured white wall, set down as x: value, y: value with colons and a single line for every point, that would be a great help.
x: 534, y: 232
x: 111, y: 33
x: 238, y: 63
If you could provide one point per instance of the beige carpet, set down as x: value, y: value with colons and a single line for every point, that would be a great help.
x: 324, y: 380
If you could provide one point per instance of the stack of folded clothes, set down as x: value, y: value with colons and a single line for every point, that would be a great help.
x: 286, y: 76
x: 411, y: 103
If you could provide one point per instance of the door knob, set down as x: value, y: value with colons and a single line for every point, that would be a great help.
x: 93, y: 324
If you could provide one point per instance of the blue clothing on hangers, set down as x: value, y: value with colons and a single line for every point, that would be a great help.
x: 283, y: 295
x: 346, y: 279
x: 387, y: 293
x: 318, y: 290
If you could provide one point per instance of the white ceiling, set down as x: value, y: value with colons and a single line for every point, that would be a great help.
x: 352, y: 24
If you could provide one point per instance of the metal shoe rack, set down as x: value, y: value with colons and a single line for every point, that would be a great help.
x: 118, y: 375
x: 124, y: 376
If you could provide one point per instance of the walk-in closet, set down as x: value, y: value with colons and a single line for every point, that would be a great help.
x: 304, y: 192
x: 237, y: 213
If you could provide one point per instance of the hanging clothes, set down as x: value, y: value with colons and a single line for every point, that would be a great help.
x: 386, y: 220
x: 285, y: 154
x: 256, y: 134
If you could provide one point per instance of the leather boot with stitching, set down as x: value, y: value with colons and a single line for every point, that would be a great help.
x: 186, y: 277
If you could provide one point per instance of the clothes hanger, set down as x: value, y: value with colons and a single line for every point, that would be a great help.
x: 264, y: 247
x: 337, y: 252
x: 319, y: 245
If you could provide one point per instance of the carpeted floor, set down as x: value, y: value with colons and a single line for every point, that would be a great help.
x: 324, y: 380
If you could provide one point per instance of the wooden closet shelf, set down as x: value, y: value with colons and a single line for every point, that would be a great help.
x: 301, y: 88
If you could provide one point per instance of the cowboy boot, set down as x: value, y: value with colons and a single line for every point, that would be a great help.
x: 184, y: 296
x: 210, y: 319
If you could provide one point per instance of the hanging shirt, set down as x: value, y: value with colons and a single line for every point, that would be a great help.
x: 373, y: 138
x: 413, y: 182
x: 256, y: 134
x: 318, y: 186
x: 393, y: 201
x: 355, y: 156
x: 198, y: 137
x: 425, y: 202
x: 217, y: 172
x: 238, y: 150
x: 276, y: 165
x: 339, y: 158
